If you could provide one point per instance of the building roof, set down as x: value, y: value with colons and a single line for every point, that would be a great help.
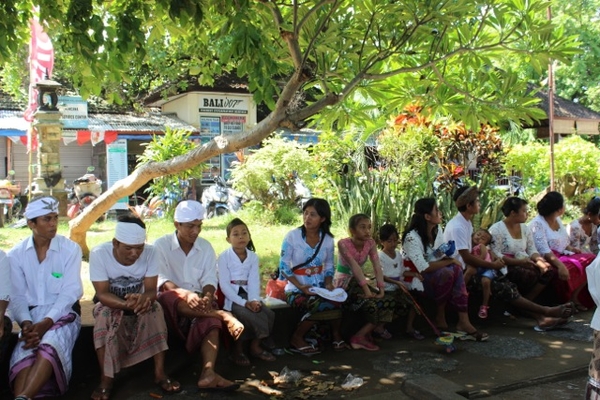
x: 569, y: 117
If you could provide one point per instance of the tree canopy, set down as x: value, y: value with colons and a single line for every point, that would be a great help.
x: 335, y: 62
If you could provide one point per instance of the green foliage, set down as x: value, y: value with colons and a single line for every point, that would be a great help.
x: 163, y: 148
x: 268, y: 174
x: 343, y: 62
x: 577, y: 164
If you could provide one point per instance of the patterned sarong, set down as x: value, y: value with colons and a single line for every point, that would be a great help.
x: 447, y: 285
x: 191, y: 331
x: 56, y: 346
x: 129, y: 339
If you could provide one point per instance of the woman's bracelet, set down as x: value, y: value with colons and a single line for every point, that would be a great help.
x: 380, y: 284
x: 362, y: 283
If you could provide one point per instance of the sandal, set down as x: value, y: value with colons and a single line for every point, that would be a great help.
x: 100, y: 393
x: 415, y: 334
x: 305, y: 350
x: 475, y: 336
x: 483, y: 312
x: 361, y: 342
x: 384, y: 334
x: 168, y: 386
x: 240, y: 359
x: 340, y: 345
x: 264, y: 355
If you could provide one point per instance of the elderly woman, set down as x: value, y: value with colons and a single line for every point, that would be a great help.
x: 307, y: 262
x: 513, y: 242
x: 552, y: 241
x: 583, y: 232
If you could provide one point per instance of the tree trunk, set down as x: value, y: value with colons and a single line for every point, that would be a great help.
x: 79, y: 226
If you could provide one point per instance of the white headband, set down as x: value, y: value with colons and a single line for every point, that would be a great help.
x: 188, y: 211
x: 130, y: 233
x: 42, y: 206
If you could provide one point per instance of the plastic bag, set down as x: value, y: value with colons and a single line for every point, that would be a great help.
x: 352, y: 382
x: 276, y: 289
x: 288, y: 376
x: 273, y: 302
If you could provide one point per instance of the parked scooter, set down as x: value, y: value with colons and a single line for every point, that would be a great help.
x: 215, y: 198
x: 86, y: 189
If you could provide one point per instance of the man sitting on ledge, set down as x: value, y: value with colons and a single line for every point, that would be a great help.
x: 130, y: 325
x: 46, y: 285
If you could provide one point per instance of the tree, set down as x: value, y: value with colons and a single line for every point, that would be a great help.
x: 335, y: 62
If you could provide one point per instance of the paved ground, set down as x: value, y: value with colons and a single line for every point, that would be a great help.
x: 516, y: 363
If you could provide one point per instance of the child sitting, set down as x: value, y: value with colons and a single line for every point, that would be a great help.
x: 481, y: 239
x: 395, y: 274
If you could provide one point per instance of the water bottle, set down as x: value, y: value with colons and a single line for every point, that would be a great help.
x: 446, y: 249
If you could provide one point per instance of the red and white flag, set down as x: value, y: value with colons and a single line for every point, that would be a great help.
x: 41, y: 60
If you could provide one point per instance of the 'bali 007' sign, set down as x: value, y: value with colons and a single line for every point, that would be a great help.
x: 223, y: 104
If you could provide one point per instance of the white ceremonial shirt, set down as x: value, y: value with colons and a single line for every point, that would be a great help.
x: 56, y: 280
x: 4, y: 277
x: 192, y: 271
x: 123, y: 279
x: 232, y: 275
x: 460, y: 230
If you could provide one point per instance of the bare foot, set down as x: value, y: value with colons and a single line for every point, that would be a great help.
x: 210, y: 379
x: 547, y: 322
x: 466, y: 328
x: 234, y: 326
x: 562, y: 311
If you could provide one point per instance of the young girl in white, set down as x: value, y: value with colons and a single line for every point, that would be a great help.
x: 239, y: 280
x: 396, y: 274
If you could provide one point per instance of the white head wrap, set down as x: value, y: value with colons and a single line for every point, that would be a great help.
x: 130, y: 233
x: 189, y: 210
x: 42, y: 206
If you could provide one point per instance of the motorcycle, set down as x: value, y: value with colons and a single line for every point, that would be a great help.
x: 9, y: 198
x: 215, y: 199
x: 86, y: 189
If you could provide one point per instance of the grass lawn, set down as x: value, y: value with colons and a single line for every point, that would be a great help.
x: 267, y: 240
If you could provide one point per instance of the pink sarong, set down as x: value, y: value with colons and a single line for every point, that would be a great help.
x: 576, y: 264
x: 191, y: 331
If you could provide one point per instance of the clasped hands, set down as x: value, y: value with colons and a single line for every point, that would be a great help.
x: 31, y: 334
x: 138, y: 303
x: 202, y: 304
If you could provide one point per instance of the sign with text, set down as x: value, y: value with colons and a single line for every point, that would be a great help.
x: 74, y: 112
x: 116, y: 168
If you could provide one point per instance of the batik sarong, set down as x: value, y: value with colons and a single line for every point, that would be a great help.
x: 129, y: 339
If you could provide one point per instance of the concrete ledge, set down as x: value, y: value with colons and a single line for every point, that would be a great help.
x: 432, y: 387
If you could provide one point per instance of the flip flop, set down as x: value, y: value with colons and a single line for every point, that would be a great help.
x: 98, y: 393
x: 241, y: 360
x: 231, y: 388
x: 264, y: 355
x: 475, y: 336
x: 340, y: 345
x: 171, y: 383
x: 305, y: 350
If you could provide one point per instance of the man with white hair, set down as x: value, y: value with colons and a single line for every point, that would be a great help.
x: 187, y: 284
x: 46, y: 287
x: 129, y: 324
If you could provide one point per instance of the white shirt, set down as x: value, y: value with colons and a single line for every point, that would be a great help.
x: 192, y: 271
x: 122, y: 279
x: 56, y: 280
x: 593, y: 280
x: 547, y: 239
x: 232, y: 272
x: 4, y: 277
x: 460, y: 230
x: 392, y: 268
